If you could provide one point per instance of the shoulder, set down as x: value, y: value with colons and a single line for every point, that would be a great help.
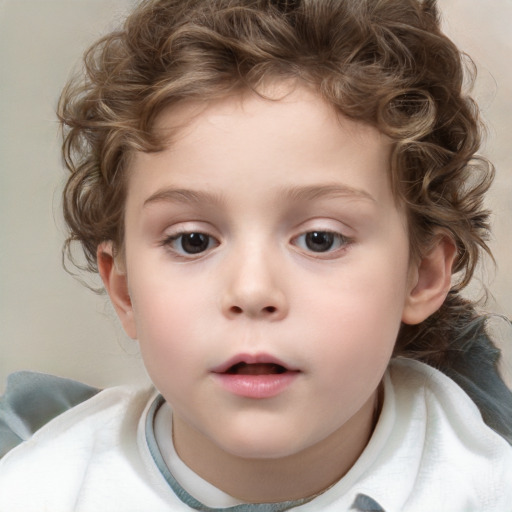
x: 420, y: 383
x: 458, y: 456
x: 427, y: 393
x: 31, y: 400
x: 91, y: 440
x: 37, y: 408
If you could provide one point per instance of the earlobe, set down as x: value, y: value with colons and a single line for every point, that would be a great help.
x: 116, y: 284
x: 431, y: 282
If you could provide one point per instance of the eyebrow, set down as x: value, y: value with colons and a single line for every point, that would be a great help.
x: 182, y: 195
x: 312, y: 192
x: 293, y: 194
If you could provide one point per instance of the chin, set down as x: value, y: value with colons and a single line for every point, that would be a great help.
x: 263, y: 444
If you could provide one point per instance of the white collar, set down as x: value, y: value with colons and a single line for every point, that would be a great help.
x: 188, y: 479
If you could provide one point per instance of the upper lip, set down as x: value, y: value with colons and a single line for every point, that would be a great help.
x: 251, y: 359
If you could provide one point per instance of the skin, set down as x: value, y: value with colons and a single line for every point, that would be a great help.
x: 255, y: 177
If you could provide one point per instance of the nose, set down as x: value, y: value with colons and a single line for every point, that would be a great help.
x: 253, y: 287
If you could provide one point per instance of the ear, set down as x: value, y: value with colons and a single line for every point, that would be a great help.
x: 116, y: 284
x: 430, y: 281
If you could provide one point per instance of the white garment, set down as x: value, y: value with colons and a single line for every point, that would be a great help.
x: 430, y: 452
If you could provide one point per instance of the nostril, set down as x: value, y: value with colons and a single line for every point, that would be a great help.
x: 237, y: 310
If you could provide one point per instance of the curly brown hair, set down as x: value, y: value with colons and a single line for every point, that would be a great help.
x: 382, y: 62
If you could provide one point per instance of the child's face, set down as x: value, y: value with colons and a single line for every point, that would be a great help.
x: 267, y: 234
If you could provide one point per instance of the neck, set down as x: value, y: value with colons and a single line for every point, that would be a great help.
x: 301, y: 475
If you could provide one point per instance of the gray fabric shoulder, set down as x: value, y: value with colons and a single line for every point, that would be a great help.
x: 31, y: 400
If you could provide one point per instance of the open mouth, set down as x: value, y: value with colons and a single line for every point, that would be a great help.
x: 256, y: 369
x: 253, y: 364
x: 257, y: 376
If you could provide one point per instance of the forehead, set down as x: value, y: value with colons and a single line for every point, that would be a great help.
x: 293, y: 137
x: 267, y: 111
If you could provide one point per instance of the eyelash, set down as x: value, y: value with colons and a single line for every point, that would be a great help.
x: 333, y: 238
x: 207, y: 242
x: 170, y: 241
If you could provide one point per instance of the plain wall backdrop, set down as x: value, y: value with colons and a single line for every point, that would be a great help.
x: 50, y: 322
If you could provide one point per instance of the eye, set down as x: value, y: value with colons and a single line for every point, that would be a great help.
x: 190, y: 243
x: 320, y: 241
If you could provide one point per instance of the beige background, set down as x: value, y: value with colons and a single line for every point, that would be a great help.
x: 50, y: 322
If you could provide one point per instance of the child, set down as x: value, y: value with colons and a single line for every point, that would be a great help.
x: 276, y: 195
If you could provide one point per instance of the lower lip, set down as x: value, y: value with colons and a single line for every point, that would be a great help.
x: 256, y: 386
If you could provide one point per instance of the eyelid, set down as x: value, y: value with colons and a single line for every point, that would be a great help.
x: 182, y: 227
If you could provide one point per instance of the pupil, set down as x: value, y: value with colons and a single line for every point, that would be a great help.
x: 194, y: 243
x: 319, y: 241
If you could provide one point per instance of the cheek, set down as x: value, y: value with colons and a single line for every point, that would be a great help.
x: 169, y: 327
x: 358, y: 317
